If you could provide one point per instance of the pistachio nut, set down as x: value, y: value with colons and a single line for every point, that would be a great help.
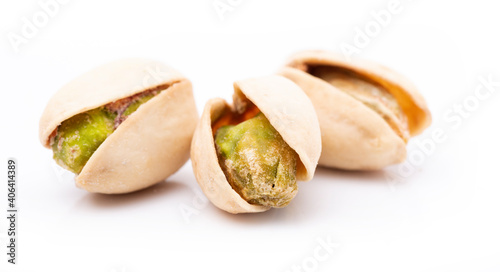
x: 367, y: 112
x: 121, y: 127
x: 248, y: 156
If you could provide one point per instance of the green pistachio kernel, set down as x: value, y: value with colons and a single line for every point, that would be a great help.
x: 135, y: 105
x: 257, y: 162
x: 78, y: 137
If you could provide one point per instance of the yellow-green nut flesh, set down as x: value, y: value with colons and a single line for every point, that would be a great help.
x: 257, y: 162
x: 122, y: 126
x: 79, y: 137
x: 248, y: 156
x: 136, y: 103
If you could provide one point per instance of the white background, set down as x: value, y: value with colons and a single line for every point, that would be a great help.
x: 437, y: 212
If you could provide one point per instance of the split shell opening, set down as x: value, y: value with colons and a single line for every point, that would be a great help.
x: 366, y: 112
x: 273, y: 99
x: 147, y: 146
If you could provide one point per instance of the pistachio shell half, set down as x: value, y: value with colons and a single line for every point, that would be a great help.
x: 366, y: 112
x: 269, y: 137
x: 121, y: 127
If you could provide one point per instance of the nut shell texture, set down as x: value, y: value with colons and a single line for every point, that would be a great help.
x: 354, y: 136
x: 289, y: 111
x: 150, y: 145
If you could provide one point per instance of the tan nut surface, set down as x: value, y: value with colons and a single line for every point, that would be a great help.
x: 365, y: 132
x: 150, y: 145
x: 288, y: 110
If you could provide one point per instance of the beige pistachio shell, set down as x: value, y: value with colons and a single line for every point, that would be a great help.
x: 150, y: 145
x: 289, y: 111
x: 206, y: 166
x: 354, y: 136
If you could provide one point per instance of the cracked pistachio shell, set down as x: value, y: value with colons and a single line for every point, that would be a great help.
x: 150, y: 145
x: 354, y: 136
x: 288, y: 110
